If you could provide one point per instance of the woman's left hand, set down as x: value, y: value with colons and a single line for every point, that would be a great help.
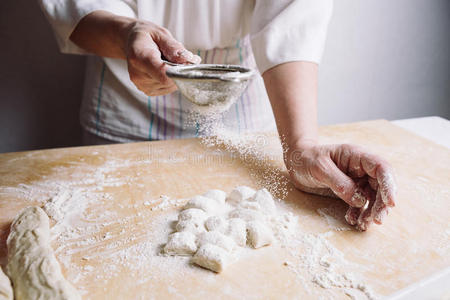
x: 363, y: 180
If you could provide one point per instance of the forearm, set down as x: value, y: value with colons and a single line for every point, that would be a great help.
x: 102, y: 33
x: 292, y: 90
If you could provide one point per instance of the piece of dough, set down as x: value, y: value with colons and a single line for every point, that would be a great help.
x: 211, y: 257
x: 6, y: 292
x: 265, y: 201
x: 246, y: 204
x: 32, y: 265
x: 237, y: 230
x: 192, y: 214
x: 193, y: 226
x: 216, y: 223
x: 239, y: 194
x: 206, y: 204
x: 246, y: 214
x: 259, y: 234
x: 216, y: 195
x: 216, y: 238
x: 181, y: 243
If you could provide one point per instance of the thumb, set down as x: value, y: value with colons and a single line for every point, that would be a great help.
x: 175, y: 52
x: 342, y: 185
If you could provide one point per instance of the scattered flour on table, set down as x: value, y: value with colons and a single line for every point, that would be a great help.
x: 93, y: 238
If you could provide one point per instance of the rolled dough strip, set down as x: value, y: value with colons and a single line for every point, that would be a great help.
x: 211, y: 257
x: 32, y: 265
x: 6, y: 292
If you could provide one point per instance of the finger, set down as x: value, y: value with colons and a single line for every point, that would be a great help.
x: 354, y: 165
x: 174, y: 51
x: 379, y: 169
x: 379, y: 209
x: 342, y: 185
x: 352, y: 214
x: 365, y: 217
x: 147, y: 84
x: 386, y: 185
x: 145, y: 56
x: 373, y: 183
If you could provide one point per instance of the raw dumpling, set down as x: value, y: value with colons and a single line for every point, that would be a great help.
x: 181, y: 243
x: 211, y: 257
x: 239, y: 194
x: 259, y: 234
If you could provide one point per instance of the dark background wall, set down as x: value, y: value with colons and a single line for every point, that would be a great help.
x: 40, y: 89
x: 383, y: 59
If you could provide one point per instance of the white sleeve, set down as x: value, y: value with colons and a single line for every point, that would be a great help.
x: 64, y: 16
x: 289, y: 30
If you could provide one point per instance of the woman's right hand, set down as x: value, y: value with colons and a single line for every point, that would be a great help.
x: 145, y: 44
x: 141, y: 43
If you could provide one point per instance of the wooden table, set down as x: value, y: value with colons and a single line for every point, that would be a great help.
x: 106, y: 247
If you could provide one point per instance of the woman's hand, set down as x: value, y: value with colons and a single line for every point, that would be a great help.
x: 141, y: 43
x: 146, y: 43
x: 364, y: 181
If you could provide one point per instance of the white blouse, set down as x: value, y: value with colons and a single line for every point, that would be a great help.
x: 254, y: 33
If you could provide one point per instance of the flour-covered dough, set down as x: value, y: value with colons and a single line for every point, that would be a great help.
x: 206, y: 204
x: 216, y: 223
x: 192, y: 214
x: 216, y: 195
x: 212, y: 257
x: 265, y: 201
x: 181, y: 243
x: 246, y: 214
x: 6, y: 292
x: 259, y: 234
x: 237, y: 230
x: 239, y: 194
x: 193, y: 226
x: 32, y: 265
x: 213, y: 227
x: 216, y: 238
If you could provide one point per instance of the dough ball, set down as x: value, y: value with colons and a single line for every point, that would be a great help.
x: 265, y: 201
x: 216, y: 223
x: 192, y: 214
x: 247, y: 204
x: 211, y: 257
x: 239, y: 194
x: 237, y: 231
x: 206, y: 204
x: 216, y: 238
x: 259, y: 234
x: 181, y: 243
x: 246, y: 214
x: 217, y: 195
x: 193, y: 226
